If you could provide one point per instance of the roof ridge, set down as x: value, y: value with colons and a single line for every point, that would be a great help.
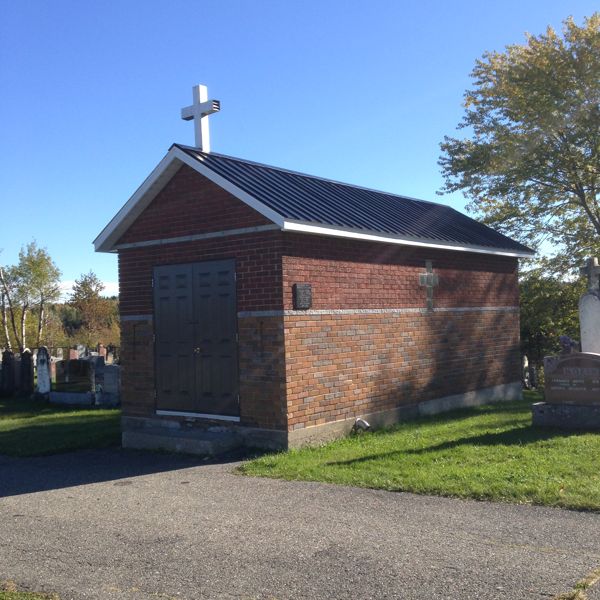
x: 191, y: 149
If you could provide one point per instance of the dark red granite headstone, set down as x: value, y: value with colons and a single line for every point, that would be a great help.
x: 573, y: 379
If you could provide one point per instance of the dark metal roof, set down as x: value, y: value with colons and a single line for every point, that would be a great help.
x: 317, y: 201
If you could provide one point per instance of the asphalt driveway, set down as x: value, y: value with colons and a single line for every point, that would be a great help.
x: 123, y: 524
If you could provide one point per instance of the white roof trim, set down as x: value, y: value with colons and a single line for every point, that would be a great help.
x: 155, y: 182
x: 117, y: 226
x: 198, y: 165
x: 175, y: 158
x: 301, y: 227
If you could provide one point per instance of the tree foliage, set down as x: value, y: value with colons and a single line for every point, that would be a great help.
x: 530, y: 164
x: 90, y: 317
x: 31, y: 289
x: 28, y: 286
x: 549, y: 309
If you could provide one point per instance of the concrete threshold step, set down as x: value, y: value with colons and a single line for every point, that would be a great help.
x: 190, y: 441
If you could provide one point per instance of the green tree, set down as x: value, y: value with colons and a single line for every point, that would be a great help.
x: 94, y: 315
x: 549, y: 309
x: 530, y: 164
x: 28, y: 286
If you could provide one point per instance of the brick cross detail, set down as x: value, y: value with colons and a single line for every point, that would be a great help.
x: 592, y: 270
x: 429, y: 280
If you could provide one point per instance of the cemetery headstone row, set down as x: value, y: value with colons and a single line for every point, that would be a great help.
x: 91, y: 378
x: 88, y: 381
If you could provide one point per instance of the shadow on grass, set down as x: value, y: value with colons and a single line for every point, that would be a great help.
x: 519, y: 436
x: 59, y: 448
x: 55, y: 452
x: 34, y: 406
x: 60, y: 433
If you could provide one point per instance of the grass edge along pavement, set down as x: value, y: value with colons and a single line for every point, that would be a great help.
x: 582, y: 586
x: 489, y: 452
x: 33, y: 427
x: 9, y: 591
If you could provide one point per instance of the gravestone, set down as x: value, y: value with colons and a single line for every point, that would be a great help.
x: 572, y: 386
x: 74, y: 383
x: 17, y: 372
x: 59, y: 353
x: 573, y: 378
x: 73, y: 376
x: 572, y: 392
x: 8, y: 373
x: 44, y: 376
x: 106, y: 383
x: 112, y: 382
x: 589, y: 309
x: 26, y: 375
x: 60, y: 368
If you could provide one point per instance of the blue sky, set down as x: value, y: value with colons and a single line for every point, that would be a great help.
x: 361, y: 92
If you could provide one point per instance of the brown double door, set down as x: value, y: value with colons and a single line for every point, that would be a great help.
x: 195, y: 326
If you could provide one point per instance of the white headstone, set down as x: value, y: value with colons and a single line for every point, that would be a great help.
x: 589, y: 309
x: 43, y: 371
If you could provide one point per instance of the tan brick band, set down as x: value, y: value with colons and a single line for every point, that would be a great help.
x: 199, y: 236
x: 374, y: 311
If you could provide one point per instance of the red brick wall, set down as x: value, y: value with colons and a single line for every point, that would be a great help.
x: 342, y: 365
x: 190, y: 204
x: 262, y: 372
x: 349, y: 274
x: 258, y: 268
x: 137, y: 368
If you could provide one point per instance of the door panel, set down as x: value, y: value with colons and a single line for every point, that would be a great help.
x: 173, y: 313
x: 216, y: 367
x: 196, y: 338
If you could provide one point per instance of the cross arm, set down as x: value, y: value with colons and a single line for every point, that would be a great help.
x: 200, y: 110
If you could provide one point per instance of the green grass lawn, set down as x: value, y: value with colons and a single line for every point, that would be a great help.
x: 30, y: 427
x: 488, y: 453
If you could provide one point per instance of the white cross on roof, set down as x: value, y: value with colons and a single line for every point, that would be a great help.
x: 198, y: 111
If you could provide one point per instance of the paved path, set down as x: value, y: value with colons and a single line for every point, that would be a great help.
x: 123, y: 524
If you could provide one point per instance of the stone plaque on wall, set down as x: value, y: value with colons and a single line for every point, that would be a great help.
x: 302, y: 296
x: 573, y: 379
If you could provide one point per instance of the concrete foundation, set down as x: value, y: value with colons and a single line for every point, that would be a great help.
x: 337, y: 429
x: 196, y: 436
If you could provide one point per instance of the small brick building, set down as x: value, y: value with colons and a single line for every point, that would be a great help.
x: 283, y: 306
